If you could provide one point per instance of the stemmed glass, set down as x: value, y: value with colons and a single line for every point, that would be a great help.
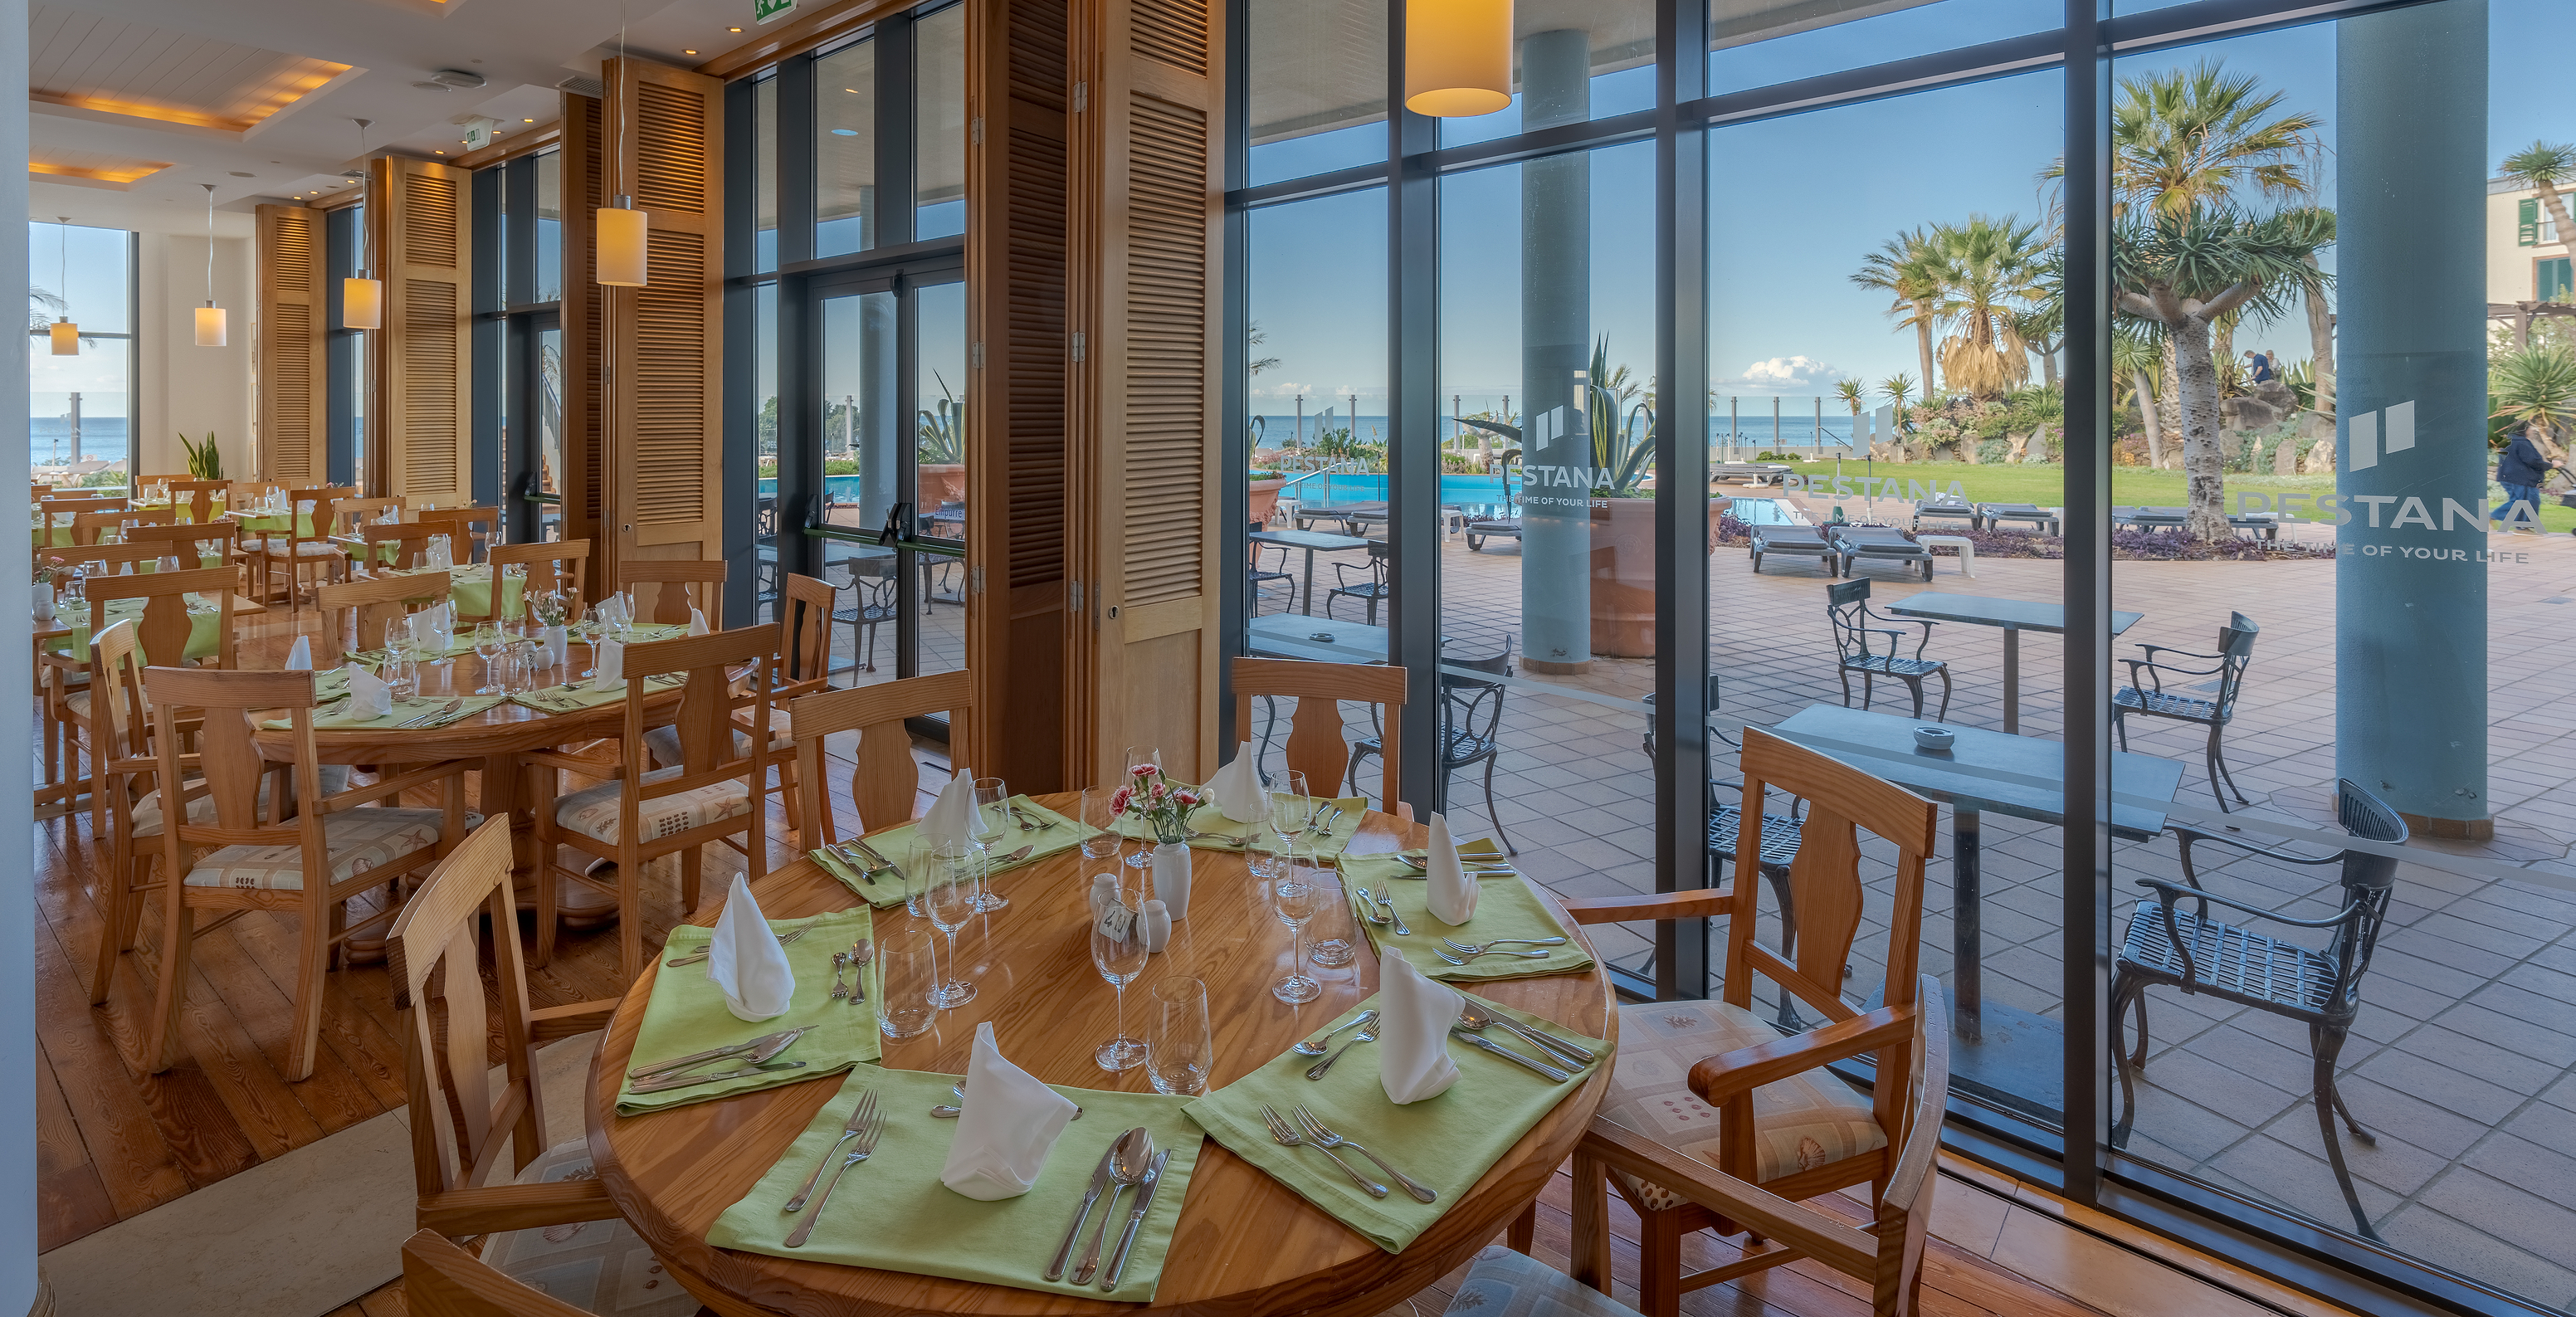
x: 488, y: 646
x: 992, y: 821
x: 588, y: 633
x: 1118, y: 952
x: 948, y: 899
x: 1291, y: 897
x: 1290, y: 808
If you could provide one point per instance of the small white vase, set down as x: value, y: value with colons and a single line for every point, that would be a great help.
x: 1157, y: 923
x: 45, y: 599
x: 558, y: 647
x: 1172, y: 877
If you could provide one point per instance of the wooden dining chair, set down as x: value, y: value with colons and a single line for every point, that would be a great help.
x: 197, y: 497
x: 93, y: 527
x: 468, y: 529
x: 365, y: 609
x: 350, y: 518
x: 558, y: 565
x: 442, y: 1280
x: 117, y: 729
x: 244, y: 493
x: 305, y: 545
x: 194, y: 544
x: 699, y: 585
x: 716, y: 792
x: 1316, y: 745
x: 402, y: 545
x: 252, y: 856
x: 117, y: 557
x: 162, y: 633
x: 1782, y: 1125
x: 885, y: 780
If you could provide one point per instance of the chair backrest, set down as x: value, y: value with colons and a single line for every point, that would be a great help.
x: 2369, y: 884
x: 1847, y: 609
x: 459, y: 525
x: 705, y: 721
x: 806, y: 616
x: 884, y: 780
x: 1471, y: 707
x: 116, y: 694
x: 442, y: 1280
x: 1904, y: 1207
x: 552, y: 565
x: 243, y: 493
x: 164, y: 628
x: 350, y: 516
x: 88, y: 527
x: 650, y: 581
x: 115, y: 557
x: 364, y: 608
x: 1825, y: 880
x: 459, y: 1123
x: 1316, y: 746
x: 77, y: 500
x: 309, y: 513
x: 2235, y: 654
x: 220, y: 536
x: 228, y: 765
x: 198, y: 496
x: 410, y: 538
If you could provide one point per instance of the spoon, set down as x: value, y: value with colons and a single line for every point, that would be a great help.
x: 1127, y: 1161
x: 1319, y: 1046
x: 1015, y: 856
x: 861, y: 952
x: 1316, y: 1071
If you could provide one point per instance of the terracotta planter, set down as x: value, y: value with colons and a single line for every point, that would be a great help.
x: 1623, y: 577
x: 1265, y: 499
x: 938, y: 483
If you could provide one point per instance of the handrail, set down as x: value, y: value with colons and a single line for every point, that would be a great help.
x: 1337, y: 466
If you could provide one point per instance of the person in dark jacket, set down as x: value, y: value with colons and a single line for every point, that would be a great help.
x: 2520, y: 470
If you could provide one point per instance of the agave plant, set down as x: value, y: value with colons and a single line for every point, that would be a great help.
x: 2537, y: 386
x: 941, y: 435
x: 205, y: 461
x: 1623, y: 441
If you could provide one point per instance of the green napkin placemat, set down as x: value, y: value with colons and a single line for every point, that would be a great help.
x: 404, y: 711
x: 687, y: 1013
x: 1058, y: 833
x: 1231, y: 836
x: 556, y: 699
x: 1447, y: 1142
x: 884, y: 894
x: 894, y: 1214
x: 1505, y: 907
x: 1378, y: 867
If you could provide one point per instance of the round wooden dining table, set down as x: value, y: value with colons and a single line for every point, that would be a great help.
x: 1245, y: 1245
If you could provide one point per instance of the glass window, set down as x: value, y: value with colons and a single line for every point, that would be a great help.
x: 939, y: 454
x: 764, y: 430
x: 1317, y: 80
x: 549, y: 228
x: 1570, y: 63
x: 845, y: 150
x: 78, y: 407
x: 939, y: 124
x: 1767, y: 44
x: 764, y: 173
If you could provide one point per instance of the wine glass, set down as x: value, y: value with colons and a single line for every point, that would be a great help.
x: 991, y: 822
x: 589, y: 628
x: 1291, y: 897
x: 1291, y: 810
x: 948, y: 899
x: 1182, y: 1052
x: 488, y: 646
x: 1118, y: 952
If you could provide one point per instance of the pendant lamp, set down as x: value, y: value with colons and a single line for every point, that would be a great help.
x: 210, y: 317
x: 618, y: 228
x: 1457, y: 57
x: 362, y: 300
x: 64, y: 334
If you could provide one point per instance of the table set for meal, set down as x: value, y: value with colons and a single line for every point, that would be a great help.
x: 979, y: 1147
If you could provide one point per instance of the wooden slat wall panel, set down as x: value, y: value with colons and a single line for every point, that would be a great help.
x: 422, y: 249
x: 584, y: 405
x: 290, y: 373
x: 1018, y: 629
x: 1145, y: 188
x: 663, y: 443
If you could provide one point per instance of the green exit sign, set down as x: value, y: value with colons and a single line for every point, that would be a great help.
x: 763, y: 11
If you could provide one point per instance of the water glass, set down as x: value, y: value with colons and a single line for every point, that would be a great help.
x: 1291, y: 809
x: 1099, y: 824
x: 489, y: 645
x: 1331, y: 940
x: 907, y: 977
x: 1118, y: 952
x: 1179, y: 1050
x: 1292, y: 897
x: 949, y: 880
x: 990, y: 825
x: 402, y: 675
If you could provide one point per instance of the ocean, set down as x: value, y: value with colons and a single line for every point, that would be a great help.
x: 1754, y: 432
x: 49, y: 441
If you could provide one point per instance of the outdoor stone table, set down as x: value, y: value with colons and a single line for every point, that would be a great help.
x: 2015, y: 775
x: 1967, y: 551
x: 2014, y: 616
x: 1297, y: 636
x: 1311, y: 541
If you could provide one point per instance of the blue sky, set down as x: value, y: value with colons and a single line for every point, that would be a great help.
x: 1796, y: 203
x: 92, y: 262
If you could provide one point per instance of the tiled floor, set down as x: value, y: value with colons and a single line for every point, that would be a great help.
x: 2463, y: 1063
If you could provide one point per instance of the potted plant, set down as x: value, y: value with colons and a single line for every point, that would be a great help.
x: 205, y: 461
x: 1623, y: 517
x: 939, y: 452
x: 1265, y: 487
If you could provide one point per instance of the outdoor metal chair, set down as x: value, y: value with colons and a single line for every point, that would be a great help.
x: 2146, y: 694
x: 1796, y: 541
x: 1858, y: 544
x: 2320, y: 986
x: 1372, y: 587
x: 1260, y: 578
x: 1780, y: 837
x: 877, y: 602
x: 1847, y: 608
x: 1471, y: 715
x: 2040, y: 519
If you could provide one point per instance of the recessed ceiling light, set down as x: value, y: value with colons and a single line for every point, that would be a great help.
x: 688, y: 52
x: 438, y: 153
x: 733, y: 29
x: 527, y: 121
x: 845, y: 132
x: 851, y: 90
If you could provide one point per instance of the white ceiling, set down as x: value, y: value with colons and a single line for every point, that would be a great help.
x: 172, y: 50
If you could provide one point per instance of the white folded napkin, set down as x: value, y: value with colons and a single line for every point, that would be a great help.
x: 951, y: 820
x: 439, y: 556
x: 299, y: 656
x: 1414, y: 1015
x: 369, y: 697
x: 612, y: 667
x: 745, y: 960
x: 1448, y: 889
x: 1236, y: 789
x: 1008, y: 1124
x: 697, y: 622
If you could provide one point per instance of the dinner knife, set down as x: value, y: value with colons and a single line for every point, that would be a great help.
x: 1144, y: 1204
x: 1509, y: 1055
x: 665, y: 1083
x: 871, y: 853
x: 782, y: 1037
x: 1099, y: 1181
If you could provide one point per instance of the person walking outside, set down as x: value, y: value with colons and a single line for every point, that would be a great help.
x: 2262, y: 366
x: 2520, y: 469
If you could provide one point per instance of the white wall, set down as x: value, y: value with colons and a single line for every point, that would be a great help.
x: 186, y: 387
x: 17, y: 889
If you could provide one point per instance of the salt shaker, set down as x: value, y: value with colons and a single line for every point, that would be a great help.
x: 1157, y: 922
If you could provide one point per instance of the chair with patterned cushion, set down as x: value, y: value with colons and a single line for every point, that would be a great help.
x: 715, y: 792
x: 252, y: 855
x: 304, y: 545
x: 552, y: 1239
x: 1713, y: 1082
x: 170, y: 630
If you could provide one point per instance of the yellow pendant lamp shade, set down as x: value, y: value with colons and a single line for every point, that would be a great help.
x: 1457, y: 57
x: 210, y: 326
x: 621, y: 244
x: 66, y: 338
x: 362, y: 303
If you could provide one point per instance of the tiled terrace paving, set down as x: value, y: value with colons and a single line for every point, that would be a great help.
x: 2463, y: 1063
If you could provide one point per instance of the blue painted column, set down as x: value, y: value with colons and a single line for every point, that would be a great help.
x: 1556, y: 348
x: 2410, y: 587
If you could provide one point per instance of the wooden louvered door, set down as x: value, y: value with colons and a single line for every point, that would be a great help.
x: 1146, y: 234
x: 421, y: 245
x: 584, y: 164
x: 290, y: 371
x: 664, y: 438
x: 1019, y: 629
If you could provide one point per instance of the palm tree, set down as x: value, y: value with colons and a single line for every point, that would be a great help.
x: 1988, y: 273
x: 2543, y: 166
x: 2181, y: 272
x: 2138, y: 358
x: 2537, y: 385
x: 1908, y: 268
x: 1894, y: 388
x: 2202, y: 135
x: 1253, y: 338
x: 2042, y: 325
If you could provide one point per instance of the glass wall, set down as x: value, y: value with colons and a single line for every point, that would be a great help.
x: 79, y: 406
x: 345, y: 349
x: 939, y: 124
x: 529, y: 245
x: 845, y: 150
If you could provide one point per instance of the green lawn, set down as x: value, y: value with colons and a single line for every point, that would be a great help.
x: 2046, y: 485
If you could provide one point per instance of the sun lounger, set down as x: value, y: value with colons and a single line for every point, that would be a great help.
x: 2147, y: 518
x: 1500, y: 529
x: 1859, y: 544
x: 1798, y: 541
x: 2041, y: 519
x: 1752, y: 473
x: 1355, y: 517
x: 1944, y: 510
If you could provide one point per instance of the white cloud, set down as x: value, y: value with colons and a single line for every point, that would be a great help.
x: 1785, y: 374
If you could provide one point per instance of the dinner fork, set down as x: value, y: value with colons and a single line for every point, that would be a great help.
x: 1385, y: 896
x: 866, y: 1144
x: 1286, y: 1136
x: 1326, y: 1139
x: 859, y: 1118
